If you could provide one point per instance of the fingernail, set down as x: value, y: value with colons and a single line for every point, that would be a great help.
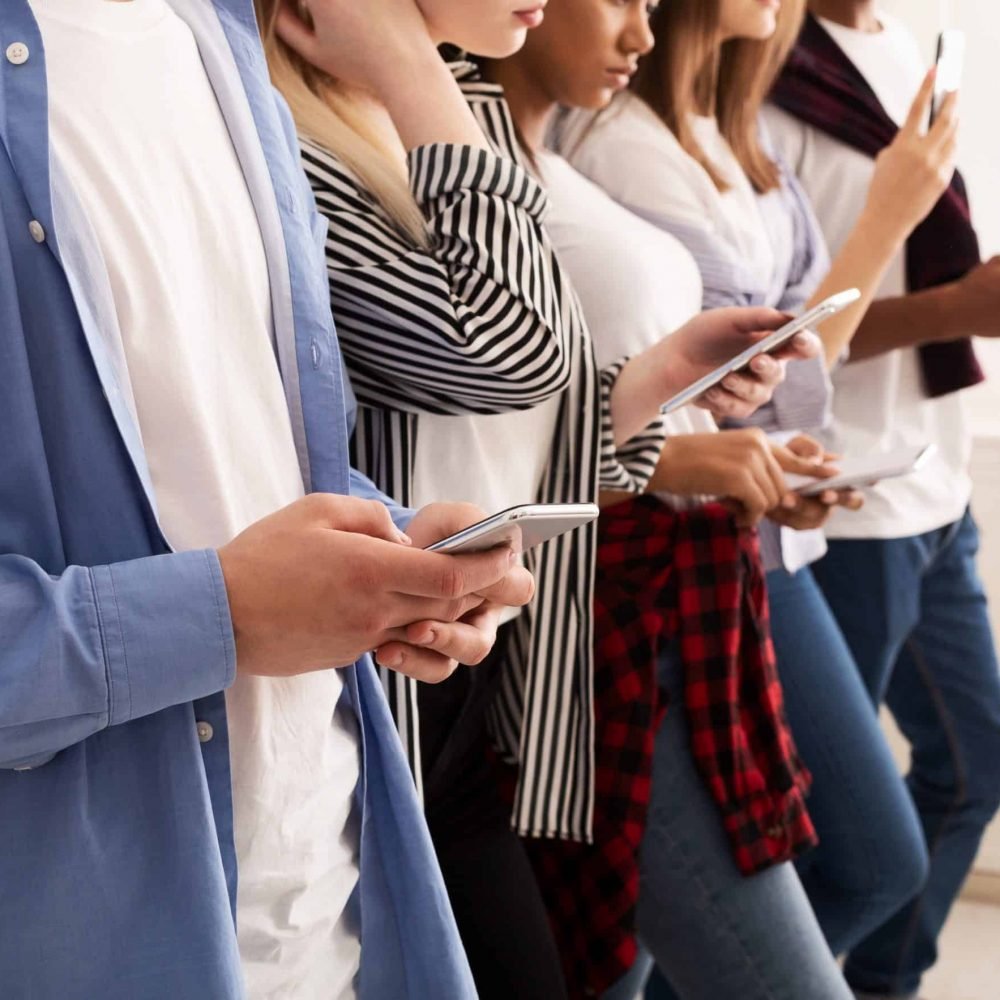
x: 403, y: 539
x: 511, y: 557
x: 428, y: 638
x: 789, y: 501
x: 391, y: 660
x: 730, y: 384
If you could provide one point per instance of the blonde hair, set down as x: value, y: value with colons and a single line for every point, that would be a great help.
x: 688, y: 73
x: 325, y: 115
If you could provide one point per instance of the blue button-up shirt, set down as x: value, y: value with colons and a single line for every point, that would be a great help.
x: 118, y: 873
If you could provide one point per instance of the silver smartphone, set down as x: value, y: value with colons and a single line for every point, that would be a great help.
x: 857, y: 473
x: 521, y: 527
x: 827, y: 308
x: 950, y: 63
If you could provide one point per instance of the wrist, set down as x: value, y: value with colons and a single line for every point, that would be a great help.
x: 392, y: 80
x: 950, y: 314
x: 883, y: 231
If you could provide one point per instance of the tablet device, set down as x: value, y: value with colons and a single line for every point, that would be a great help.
x: 519, y: 527
x: 829, y: 307
x: 857, y: 473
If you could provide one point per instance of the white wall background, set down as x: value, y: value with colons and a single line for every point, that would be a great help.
x: 980, y: 162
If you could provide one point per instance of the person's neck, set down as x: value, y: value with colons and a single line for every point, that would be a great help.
x: 531, y: 108
x: 857, y: 14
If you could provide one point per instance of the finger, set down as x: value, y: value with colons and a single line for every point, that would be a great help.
x: 354, y: 515
x: 421, y: 664
x: 767, y: 369
x: 420, y: 573
x: 774, y: 484
x: 851, y: 499
x: 807, y: 448
x: 756, y: 497
x: 921, y: 106
x: 726, y: 406
x: 757, y: 321
x: 294, y: 32
x: 405, y: 609
x: 515, y: 590
x: 788, y: 461
x: 946, y: 123
x: 802, y: 347
x: 742, y: 390
x: 468, y: 642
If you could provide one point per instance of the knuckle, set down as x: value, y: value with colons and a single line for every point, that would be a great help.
x: 373, y: 621
x: 452, y: 583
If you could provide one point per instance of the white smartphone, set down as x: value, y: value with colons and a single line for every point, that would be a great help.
x: 950, y: 64
x: 520, y: 527
x: 857, y: 473
x: 827, y: 308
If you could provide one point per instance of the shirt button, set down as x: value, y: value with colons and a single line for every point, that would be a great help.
x: 37, y: 231
x: 205, y: 732
x: 17, y: 53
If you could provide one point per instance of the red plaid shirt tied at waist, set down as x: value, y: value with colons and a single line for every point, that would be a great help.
x: 693, y: 580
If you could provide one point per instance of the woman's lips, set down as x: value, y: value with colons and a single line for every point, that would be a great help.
x: 531, y: 17
x: 620, y: 77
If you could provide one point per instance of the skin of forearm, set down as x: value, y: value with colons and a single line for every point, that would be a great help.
x: 636, y: 399
x: 862, y: 263
x: 436, y: 111
x: 926, y: 317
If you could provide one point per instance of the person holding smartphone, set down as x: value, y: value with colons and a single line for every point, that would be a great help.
x: 193, y: 738
x: 684, y: 148
x: 474, y: 370
x: 901, y: 576
x: 706, y: 881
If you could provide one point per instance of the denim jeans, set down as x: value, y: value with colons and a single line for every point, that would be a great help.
x: 914, y: 614
x: 871, y: 858
x: 716, y: 933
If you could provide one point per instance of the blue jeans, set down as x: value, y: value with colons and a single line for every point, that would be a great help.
x: 914, y: 614
x: 871, y: 858
x: 717, y: 934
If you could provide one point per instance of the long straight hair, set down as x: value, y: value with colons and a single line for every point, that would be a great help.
x: 689, y: 73
x: 325, y: 115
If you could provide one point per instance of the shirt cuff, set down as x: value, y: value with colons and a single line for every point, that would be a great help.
x: 166, y: 630
x: 628, y: 467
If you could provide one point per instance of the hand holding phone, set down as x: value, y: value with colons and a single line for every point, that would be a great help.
x: 829, y: 307
x: 857, y: 473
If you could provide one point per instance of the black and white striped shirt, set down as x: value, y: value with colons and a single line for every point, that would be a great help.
x: 485, y: 322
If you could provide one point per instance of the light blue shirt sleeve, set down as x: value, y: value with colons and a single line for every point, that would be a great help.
x: 100, y: 646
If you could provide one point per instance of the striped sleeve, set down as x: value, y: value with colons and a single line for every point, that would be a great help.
x: 468, y: 324
x: 627, y: 467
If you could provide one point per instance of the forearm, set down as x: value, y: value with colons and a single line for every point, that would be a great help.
x: 435, y: 111
x: 98, y: 647
x: 926, y: 317
x: 862, y: 263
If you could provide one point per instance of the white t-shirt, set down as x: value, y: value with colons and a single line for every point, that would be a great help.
x: 136, y: 126
x: 879, y: 404
x: 638, y: 161
x: 636, y: 283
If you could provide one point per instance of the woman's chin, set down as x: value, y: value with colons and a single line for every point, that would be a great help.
x: 499, y: 46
